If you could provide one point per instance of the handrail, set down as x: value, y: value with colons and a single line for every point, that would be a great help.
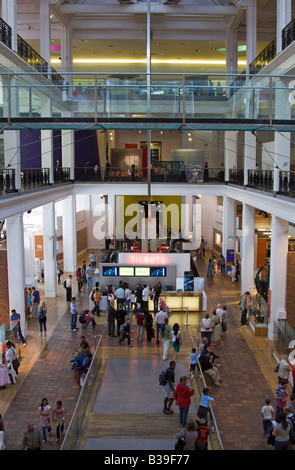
x: 216, y: 431
x: 79, y: 402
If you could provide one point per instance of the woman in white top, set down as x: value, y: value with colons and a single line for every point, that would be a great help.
x: 206, y: 328
x: 175, y: 339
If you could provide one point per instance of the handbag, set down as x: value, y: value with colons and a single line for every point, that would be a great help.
x: 180, y: 443
x: 276, y: 368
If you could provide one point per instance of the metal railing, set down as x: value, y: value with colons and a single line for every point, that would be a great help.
x: 73, y: 433
x: 288, y: 34
x: 7, y: 181
x: 264, y: 58
x: 214, y: 436
x: 32, y: 178
x: 5, y: 33
x: 236, y: 176
x: 287, y: 183
x: 261, y: 179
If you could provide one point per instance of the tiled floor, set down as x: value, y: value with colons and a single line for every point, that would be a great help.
x: 45, y: 370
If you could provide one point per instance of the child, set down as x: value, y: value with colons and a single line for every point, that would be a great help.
x: 193, y: 362
x: 44, y: 417
x: 58, y: 418
x: 219, y: 267
x: 267, y: 412
x: 205, y: 400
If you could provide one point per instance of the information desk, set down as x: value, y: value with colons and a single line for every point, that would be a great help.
x: 193, y: 301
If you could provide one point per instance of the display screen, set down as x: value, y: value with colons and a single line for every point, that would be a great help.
x: 188, y: 281
x: 158, y: 272
x: 126, y: 271
x: 110, y: 271
x: 142, y: 271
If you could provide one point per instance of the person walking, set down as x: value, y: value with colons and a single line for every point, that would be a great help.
x: 32, y: 439
x: 59, y: 272
x: 145, y: 298
x: 160, y: 323
x: 267, y: 413
x: 42, y: 317
x: 111, y: 315
x: 74, y: 314
x: 125, y: 330
x: 244, y: 307
x: 15, y: 318
x: 44, y: 410
x: 148, y: 323
x: 89, y: 277
x: 120, y: 317
x: 59, y: 418
x: 79, y: 279
x: 182, y: 395
x: 193, y: 362
x: 166, y: 338
x: 176, y: 340
x: 92, y: 258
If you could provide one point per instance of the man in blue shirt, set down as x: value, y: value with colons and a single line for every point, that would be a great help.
x: 15, y: 318
x: 74, y: 314
x: 35, y: 301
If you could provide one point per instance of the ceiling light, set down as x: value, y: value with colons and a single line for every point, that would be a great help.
x: 153, y: 61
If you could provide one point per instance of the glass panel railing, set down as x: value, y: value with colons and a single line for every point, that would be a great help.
x: 214, y: 97
x: 74, y: 432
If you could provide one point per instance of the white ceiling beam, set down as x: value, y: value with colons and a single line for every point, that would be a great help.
x: 167, y: 25
x: 68, y: 9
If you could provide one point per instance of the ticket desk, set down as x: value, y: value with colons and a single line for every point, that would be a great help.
x: 193, y: 301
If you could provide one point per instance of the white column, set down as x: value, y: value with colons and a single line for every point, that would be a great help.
x: 66, y: 52
x: 229, y: 225
x: 16, y: 267
x: 284, y: 16
x: 69, y: 234
x: 251, y: 32
x: 197, y: 222
x: 49, y: 242
x: 110, y: 216
x: 12, y: 157
x: 9, y: 15
x: 249, y: 154
x: 231, y: 52
x: 247, y: 249
x: 68, y: 151
x: 45, y: 30
x: 47, y: 152
x: 230, y: 152
x: 278, y: 272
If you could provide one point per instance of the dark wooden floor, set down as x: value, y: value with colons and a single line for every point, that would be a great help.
x: 246, y: 368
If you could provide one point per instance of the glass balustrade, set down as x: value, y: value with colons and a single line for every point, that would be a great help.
x: 258, y: 99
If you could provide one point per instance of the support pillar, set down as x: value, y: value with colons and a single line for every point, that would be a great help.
x: 229, y: 225
x: 249, y: 154
x: 9, y: 15
x: 16, y: 267
x: 230, y: 152
x: 47, y: 152
x: 49, y: 242
x: 251, y: 32
x: 68, y: 151
x: 278, y: 272
x: 247, y: 249
x: 12, y: 156
x: 69, y: 234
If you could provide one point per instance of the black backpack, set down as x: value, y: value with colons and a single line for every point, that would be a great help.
x: 163, y: 377
x: 65, y: 284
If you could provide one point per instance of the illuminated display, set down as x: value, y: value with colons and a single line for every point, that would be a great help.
x: 158, y: 271
x: 110, y: 271
x: 126, y: 271
x: 142, y: 271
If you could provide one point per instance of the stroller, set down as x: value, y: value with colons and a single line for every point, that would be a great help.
x: 85, y: 319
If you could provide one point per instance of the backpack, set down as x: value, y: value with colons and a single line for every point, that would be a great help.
x: 163, y: 377
x: 40, y: 313
x: 180, y: 443
x: 122, y: 328
x: 65, y: 284
x: 92, y: 296
x: 291, y: 420
x: 203, y: 435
